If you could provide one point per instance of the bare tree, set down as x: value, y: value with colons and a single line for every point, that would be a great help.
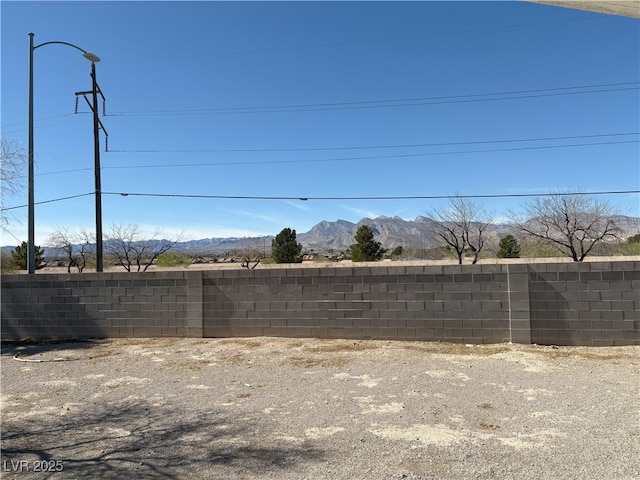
x: 251, y: 254
x: 126, y: 245
x: 12, y: 174
x: 573, y: 223
x: 462, y: 226
x: 77, y: 247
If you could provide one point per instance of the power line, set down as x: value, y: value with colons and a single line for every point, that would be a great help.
x: 404, y: 197
x: 339, y: 159
x: 43, y: 126
x: 347, y: 159
x: 40, y: 119
x: 368, y: 147
x: 49, y: 201
x: 438, y: 100
x: 60, y: 172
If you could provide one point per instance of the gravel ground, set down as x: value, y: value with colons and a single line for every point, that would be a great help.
x: 266, y: 408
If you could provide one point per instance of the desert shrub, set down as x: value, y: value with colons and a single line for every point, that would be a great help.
x: 173, y: 259
x: 631, y: 246
x: 7, y: 265
x: 539, y: 249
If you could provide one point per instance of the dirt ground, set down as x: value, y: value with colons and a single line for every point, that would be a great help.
x: 267, y: 408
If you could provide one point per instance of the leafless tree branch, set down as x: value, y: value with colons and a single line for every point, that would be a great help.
x: 462, y: 225
x: 77, y: 247
x: 13, y: 162
x: 126, y: 245
x: 574, y: 224
x: 250, y: 255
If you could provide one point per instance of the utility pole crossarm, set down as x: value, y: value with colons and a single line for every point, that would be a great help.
x: 84, y: 95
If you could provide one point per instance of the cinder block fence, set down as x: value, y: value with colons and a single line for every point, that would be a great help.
x: 596, y: 303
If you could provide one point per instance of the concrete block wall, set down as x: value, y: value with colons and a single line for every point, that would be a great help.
x: 448, y: 303
x: 95, y: 306
x: 596, y: 303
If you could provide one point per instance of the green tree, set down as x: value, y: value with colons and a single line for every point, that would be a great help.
x: 19, y: 256
x: 285, y: 247
x: 631, y: 246
x: 397, y: 252
x: 366, y: 249
x: 509, y: 247
x: 634, y: 239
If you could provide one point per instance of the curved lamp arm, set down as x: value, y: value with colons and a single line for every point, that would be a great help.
x: 88, y: 55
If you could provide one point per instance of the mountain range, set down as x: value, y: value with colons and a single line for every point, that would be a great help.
x: 337, y: 236
x: 389, y: 231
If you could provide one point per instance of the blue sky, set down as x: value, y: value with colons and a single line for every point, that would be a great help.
x: 317, y: 99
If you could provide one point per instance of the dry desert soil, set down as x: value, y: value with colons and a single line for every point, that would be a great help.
x: 275, y: 408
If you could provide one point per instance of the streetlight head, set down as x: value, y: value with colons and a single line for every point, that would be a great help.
x: 91, y: 57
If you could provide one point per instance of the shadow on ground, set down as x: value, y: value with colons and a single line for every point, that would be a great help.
x: 140, y: 440
x: 48, y: 351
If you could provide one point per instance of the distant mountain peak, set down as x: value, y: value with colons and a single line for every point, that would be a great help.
x: 339, y: 235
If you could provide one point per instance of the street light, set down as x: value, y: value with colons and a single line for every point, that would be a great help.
x: 31, y: 257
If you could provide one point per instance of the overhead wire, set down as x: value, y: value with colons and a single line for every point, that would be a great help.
x: 44, y: 126
x: 364, y: 104
x: 370, y: 147
x: 399, y: 197
x: 39, y: 119
x: 343, y: 198
x: 559, y: 91
x: 369, y: 157
x: 338, y: 159
x: 69, y: 197
x: 437, y: 100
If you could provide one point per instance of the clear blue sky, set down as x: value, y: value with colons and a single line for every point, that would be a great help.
x: 289, y: 99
